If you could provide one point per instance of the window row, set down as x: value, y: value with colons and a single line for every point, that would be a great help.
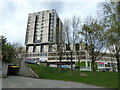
x: 42, y: 54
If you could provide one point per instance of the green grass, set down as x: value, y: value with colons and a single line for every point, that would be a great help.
x: 104, y: 79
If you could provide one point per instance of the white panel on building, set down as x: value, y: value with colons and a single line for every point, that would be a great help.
x: 46, y: 24
x: 37, y: 48
x: 30, y: 39
x: 46, y: 16
x: 31, y: 31
x: 32, y: 25
x: 30, y: 49
x: 33, y: 16
x: 45, y: 48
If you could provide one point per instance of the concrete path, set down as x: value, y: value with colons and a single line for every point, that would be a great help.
x: 26, y: 82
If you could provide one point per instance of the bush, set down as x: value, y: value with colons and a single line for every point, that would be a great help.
x: 8, y: 52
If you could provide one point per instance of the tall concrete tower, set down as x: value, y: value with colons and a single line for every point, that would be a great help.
x: 42, y: 33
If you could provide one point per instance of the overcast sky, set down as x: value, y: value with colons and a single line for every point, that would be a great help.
x: 14, y: 14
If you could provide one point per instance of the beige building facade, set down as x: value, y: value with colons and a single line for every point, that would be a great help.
x: 41, y: 33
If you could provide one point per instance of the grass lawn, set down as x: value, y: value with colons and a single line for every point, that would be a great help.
x: 104, y: 79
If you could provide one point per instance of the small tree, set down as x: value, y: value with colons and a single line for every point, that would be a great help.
x: 93, y: 35
x: 111, y: 19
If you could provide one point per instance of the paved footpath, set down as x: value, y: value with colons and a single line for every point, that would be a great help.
x: 26, y: 82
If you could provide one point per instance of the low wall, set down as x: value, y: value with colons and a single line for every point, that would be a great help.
x: 0, y: 74
x: 25, y: 70
x: 0, y: 68
x: 4, y: 69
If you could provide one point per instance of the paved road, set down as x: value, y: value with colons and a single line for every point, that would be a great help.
x: 0, y: 78
x: 25, y: 82
x: 0, y: 83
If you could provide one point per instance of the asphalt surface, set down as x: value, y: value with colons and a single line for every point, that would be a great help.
x: 26, y: 82
x: 0, y: 79
x: 0, y: 83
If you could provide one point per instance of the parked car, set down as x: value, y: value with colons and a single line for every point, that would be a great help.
x: 64, y: 66
x: 30, y: 62
x: 104, y: 69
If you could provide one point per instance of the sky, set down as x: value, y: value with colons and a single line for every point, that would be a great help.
x: 14, y: 14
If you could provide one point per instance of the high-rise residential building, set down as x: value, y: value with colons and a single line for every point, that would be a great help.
x: 42, y: 33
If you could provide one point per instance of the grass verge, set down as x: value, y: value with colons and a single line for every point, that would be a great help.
x: 104, y: 79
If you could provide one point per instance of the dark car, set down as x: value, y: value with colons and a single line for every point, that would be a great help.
x: 30, y: 62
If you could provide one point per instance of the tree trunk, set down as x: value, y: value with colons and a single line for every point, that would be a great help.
x: 118, y: 62
x: 71, y: 62
x: 78, y: 60
x: 93, y: 64
x: 60, y: 59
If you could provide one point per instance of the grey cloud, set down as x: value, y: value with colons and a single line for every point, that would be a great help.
x: 59, y: 6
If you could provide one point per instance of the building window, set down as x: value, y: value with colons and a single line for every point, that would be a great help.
x: 51, y: 32
x: 42, y: 24
x: 52, y: 14
x: 51, y: 27
x: 42, y: 17
x: 68, y: 58
x: 42, y: 20
x: 37, y: 54
x: 41, y: 35
x: 51, y: 24
x: 41, y: 31
x: 43, y: 54
x: 41, y: 39
x: 67, y: 47
x: 51, y: 58
x: 77, y: 47
x: 51, y: 37
x: 107, y: 65
x: 51, y: 17
x: 34, y: 54
x: 50, y: 48
x: 100, y: 65
x: 34, y: 48
x: 27, y: 49
x: 42, y: 48
x: 51, y: 21
x: 30, y: 55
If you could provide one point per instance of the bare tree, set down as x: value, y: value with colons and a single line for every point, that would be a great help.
x: 60, y: 43
x: 19, y: 49
x: 71, y: 29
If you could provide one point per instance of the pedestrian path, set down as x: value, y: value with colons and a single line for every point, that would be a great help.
x: 26, y: 82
